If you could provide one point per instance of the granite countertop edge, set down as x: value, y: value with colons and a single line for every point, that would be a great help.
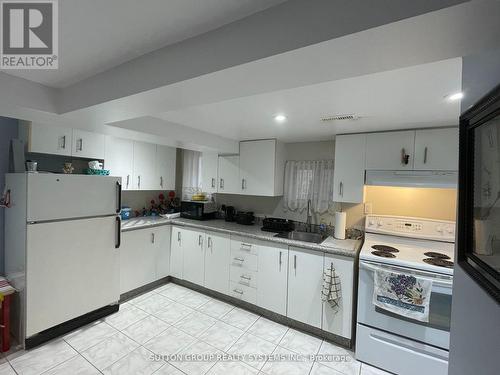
x: 349, y: 248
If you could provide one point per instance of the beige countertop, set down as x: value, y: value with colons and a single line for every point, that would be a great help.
x: 331, y: 245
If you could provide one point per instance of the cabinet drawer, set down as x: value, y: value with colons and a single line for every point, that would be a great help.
x: 243, y: 276
x: 244, y: 260
x: 243, y: 292
x: 239, y: 244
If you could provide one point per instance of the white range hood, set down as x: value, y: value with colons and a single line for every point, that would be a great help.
x: 422, y: 179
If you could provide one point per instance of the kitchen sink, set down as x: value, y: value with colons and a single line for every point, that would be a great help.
x: 302, y: 236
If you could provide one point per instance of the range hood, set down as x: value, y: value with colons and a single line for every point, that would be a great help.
x: 422, y: 179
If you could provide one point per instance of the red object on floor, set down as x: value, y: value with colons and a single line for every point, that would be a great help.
x: 5, y: 324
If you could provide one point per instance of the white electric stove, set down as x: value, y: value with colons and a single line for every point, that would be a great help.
x: 413, y: 246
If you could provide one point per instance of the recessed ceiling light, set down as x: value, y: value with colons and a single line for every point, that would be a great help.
x: 455, y: 96
x: 280, y: 118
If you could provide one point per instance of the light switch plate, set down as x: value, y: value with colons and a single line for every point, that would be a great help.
x: 368, y: 208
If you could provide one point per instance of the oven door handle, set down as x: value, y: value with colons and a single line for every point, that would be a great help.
x: 446, y: 283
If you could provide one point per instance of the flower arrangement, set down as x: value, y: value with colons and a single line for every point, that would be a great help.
x: 162, y: 206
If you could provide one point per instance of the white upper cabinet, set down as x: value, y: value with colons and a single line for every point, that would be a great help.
x: 87, y: 144
x: 209, y: 167
x: 47, y: 139
x: 261, y: 167
x: 390, y: 150
x: 349, y: 172
x: 229, y: 172
x: 165, y: 167
x: 144, y: 176
x: 119, y: 159
x: 436, y: 149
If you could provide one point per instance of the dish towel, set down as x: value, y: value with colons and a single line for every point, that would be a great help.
x: 402, y: 294
x: 331, y: 291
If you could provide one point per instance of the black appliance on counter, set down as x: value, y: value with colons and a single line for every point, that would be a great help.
x: 198, y: 210
x: 273, y: 224
x: 245, y: 218
x: 230, y: 213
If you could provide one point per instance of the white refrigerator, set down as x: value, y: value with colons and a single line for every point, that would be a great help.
x: 62, y: 239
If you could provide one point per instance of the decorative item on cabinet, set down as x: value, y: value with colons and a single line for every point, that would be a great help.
x: 68, y: 168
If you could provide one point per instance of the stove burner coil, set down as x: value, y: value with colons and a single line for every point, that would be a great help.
x: 433, y: 254
x: 383, y: 254
x: 385, y: 248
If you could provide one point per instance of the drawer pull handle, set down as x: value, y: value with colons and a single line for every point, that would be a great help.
x: 239, y: 291
x: 246, y: 247
x: 239, y: 259
x: 246, y: 277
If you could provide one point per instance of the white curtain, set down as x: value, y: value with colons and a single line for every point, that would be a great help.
x: 191, y: 173
x: 306, y: 180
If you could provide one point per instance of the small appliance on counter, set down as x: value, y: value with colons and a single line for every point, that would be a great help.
x: 274, y: 224
x: 198, y: 210
x: 245, y: 218
x: 125, y: 212
x: 230, y: 213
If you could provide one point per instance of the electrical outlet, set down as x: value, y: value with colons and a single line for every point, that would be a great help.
x: 368, y: 208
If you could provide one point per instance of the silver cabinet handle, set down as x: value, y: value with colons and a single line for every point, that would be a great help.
x: 295, y: 264
x: 405, y: 158
x: 62, y: 142
x: 221, y: 183
x: 179, y: 236
x: 128, y: 180
x: 200, y: 240
x: 425, y: 155
x: 239, y: 291
x: 152, y: 238
x: 239, y: 259
x: 246, y: 277
x: 138, y: 182
x: 209, y: 244
x: 161, y: 181
x: 213, y: 182
x: 81, y: 144
x: 281, y: 254
x: 243, y: 184
x: 246, y: 247
x: 341, y: 189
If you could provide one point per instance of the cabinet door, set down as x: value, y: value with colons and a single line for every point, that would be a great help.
x: 87, y: 144
x: 273, y: 271
x: 229, y: 174
x: 162, y: 248
x: 217, y: 259
x: 390, y: 151
x: 119, y: 159
x: 193, y: 246
x: 257, y: 167
x: 165, y: 167
x: 339, y: 321
x: 349, y: 172
x: 177, y: 253
x: 144, y: 166
x: 137, y: 259
x: 305, y: 271
x: 47, y: 139
x: 436, y: 149
x: 209, y: 167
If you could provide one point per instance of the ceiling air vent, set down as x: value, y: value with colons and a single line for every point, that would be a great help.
x: 349, y: 116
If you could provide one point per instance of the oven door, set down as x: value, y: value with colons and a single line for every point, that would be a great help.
x: 434, y: 332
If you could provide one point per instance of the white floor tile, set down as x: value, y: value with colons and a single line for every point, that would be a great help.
x: 173, y: 313
x: 89, y: 335
x: 175, y: 292
x: 240, y: 318
x: 195, y: 323
x: 215, y: 308
x: 42, y: 358
x: 252, y: 348
x: 268, y: 330
x: 370, y: 370
x: 164, y: 287
x: 154, y: 303
x: 125, y: 317
x: 232, y: 368
x: 201, y: 361
x: 319, y: 369
x: 286, y: 362
x: 145, y: 329
x: 168, y: 369
x: 301, y: 343
x: 171, y: 341
x: 6, y: 369
x: 338, y: 358
x: 75, y: 366
x: 194, y: 299
x: 139, y: 362
x: 221, y: 335
x: 110, y: 350
x: 142, y: 297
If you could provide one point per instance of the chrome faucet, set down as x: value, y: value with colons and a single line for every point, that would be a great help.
x: 309, y: 217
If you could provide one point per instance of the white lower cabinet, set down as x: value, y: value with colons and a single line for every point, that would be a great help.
x: 176, y: 253
x: 162, y: 242
x: 305, y: 271
x: 272, y: 277
x: 193, y: 249
x: 217, y: 255
x: 339, y: 321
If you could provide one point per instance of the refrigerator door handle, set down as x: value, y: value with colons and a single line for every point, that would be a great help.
x: 118, y: 233
x: 119, y: 197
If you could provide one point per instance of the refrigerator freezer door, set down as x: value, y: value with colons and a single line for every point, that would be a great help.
x: 58, y: 197
x: 72, y: 268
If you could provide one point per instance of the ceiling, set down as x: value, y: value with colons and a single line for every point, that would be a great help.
x: 411, y: 97
x: 92, y: 36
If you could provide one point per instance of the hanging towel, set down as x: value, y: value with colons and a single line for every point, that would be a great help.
x: 402, y: 294
x: 331, y: 291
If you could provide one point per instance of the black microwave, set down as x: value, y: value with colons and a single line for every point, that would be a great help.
x: 198, y: 210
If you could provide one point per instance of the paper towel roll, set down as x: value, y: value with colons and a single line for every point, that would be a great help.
x: 340, y: 221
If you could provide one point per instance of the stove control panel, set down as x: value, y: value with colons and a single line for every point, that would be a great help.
x: 411, y: 227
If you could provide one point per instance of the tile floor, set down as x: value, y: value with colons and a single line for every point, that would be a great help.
x: 173, y: 331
